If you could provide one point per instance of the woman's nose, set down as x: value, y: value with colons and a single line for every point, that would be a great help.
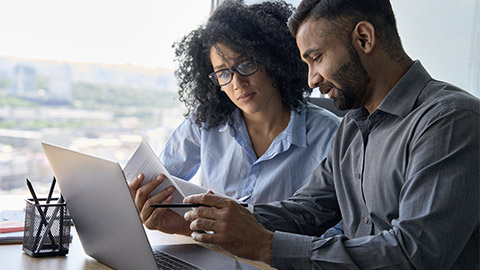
x: 239, y: 81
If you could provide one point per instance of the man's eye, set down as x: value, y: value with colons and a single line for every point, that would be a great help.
x: 316, y: 58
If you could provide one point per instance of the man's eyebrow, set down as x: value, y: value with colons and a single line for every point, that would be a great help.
x: 307, y: 53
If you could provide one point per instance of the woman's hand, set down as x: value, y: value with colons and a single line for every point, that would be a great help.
x: 162, y: 219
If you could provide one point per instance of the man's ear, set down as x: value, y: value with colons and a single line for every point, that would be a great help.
x: 363, y: 37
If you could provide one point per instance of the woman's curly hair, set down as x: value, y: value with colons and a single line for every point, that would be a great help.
x: 258, y: 32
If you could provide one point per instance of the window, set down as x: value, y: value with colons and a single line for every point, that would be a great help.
x: 90, y: 75
x: 96, y: 75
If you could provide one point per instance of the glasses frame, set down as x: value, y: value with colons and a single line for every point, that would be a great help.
x: 213, y: 76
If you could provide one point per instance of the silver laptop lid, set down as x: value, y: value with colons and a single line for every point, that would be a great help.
x: 102, y: 208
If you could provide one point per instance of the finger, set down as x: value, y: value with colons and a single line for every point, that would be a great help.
x: 143, y: 192
x: 203, y: 237
x: 201, y: 212
x: 211, y: 200
x: 154, y: 183
x: 197, y: 197
x: 160, y: 196
x: 164, y: 196
x: 203, y: 224
x: 135, y: 183
x: 146, y: 212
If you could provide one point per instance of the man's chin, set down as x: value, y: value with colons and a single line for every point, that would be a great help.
x: 342, y: 105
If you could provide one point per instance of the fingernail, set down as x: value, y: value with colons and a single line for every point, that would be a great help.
x: 138, y: 176
x: 170, y: 189
x: 159, y: 177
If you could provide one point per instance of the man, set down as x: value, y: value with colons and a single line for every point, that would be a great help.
x: 402, y: 172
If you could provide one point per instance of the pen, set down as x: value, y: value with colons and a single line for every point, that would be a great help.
x: 49, y: 198
x: 179, y: 205
x: 50, y: 192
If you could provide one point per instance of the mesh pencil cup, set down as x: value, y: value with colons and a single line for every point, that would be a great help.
x: 47, y: 228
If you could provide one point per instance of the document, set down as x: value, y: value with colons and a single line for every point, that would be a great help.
x: 145, y: 160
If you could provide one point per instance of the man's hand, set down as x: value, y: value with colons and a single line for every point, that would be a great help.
x: 234, y: 228
x: 162, y: 219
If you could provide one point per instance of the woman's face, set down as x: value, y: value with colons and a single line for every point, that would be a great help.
x: 253, y: 93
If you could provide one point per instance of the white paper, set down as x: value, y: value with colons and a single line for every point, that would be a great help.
x: 189, y: 188
x: 144, y: 160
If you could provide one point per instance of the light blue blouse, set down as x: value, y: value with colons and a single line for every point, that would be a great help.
x: 229, y: 164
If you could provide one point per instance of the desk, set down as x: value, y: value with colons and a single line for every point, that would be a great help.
x: 13, y: 258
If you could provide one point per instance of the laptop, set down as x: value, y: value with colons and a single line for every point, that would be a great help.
x: 107, y: 221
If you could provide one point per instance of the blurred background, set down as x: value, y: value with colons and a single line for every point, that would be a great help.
x: 95, y: 76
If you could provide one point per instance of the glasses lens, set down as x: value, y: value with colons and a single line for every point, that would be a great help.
x: 223, y: 76
x: 247, y: 68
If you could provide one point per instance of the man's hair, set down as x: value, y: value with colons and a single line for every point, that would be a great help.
x: 258, y: 32
x: 345, y: 14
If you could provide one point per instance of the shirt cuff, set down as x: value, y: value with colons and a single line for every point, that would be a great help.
x: 291, y: 251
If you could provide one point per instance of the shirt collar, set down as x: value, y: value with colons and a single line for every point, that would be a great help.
x: 297, y: 127
x: 401, y: 99
x: 237, y: 122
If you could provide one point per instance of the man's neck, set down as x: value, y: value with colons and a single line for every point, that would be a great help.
x: 384, y: 75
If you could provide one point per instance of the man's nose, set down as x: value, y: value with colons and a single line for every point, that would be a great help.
x: 314, y: 80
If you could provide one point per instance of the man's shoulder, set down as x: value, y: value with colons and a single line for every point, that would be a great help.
x: 447, y: 97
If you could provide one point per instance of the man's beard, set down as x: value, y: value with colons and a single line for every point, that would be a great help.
x: 353, y: 80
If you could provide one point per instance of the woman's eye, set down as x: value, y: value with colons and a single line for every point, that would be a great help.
x: 225, y: 74
x: 247, y: 65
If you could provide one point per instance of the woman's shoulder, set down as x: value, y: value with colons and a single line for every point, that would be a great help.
x: 316, y: 113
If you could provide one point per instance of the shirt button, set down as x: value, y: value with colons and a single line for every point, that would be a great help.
x: 366, y: 220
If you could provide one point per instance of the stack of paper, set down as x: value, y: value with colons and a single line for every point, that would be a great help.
x: 11, y: 232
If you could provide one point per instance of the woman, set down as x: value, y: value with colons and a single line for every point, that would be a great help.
x: 248, y: 126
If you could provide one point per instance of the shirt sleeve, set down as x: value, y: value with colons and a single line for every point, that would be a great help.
x: 181, y: 154
x: 311, y: 210
x: 438, y: 209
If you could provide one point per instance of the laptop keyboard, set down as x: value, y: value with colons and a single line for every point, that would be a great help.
x: 167, y: 261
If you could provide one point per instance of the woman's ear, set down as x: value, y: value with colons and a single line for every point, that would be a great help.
x: 363, y: 37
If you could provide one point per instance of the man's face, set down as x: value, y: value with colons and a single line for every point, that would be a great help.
x: 333, y: 65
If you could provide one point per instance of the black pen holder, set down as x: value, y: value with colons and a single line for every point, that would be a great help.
x: 47, y: 233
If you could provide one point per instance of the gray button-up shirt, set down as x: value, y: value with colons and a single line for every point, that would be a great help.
x: 405, y: 181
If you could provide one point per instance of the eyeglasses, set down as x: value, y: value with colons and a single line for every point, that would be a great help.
x: 224, y: 76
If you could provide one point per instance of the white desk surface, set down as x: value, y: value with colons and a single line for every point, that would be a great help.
x: 12, y: 257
